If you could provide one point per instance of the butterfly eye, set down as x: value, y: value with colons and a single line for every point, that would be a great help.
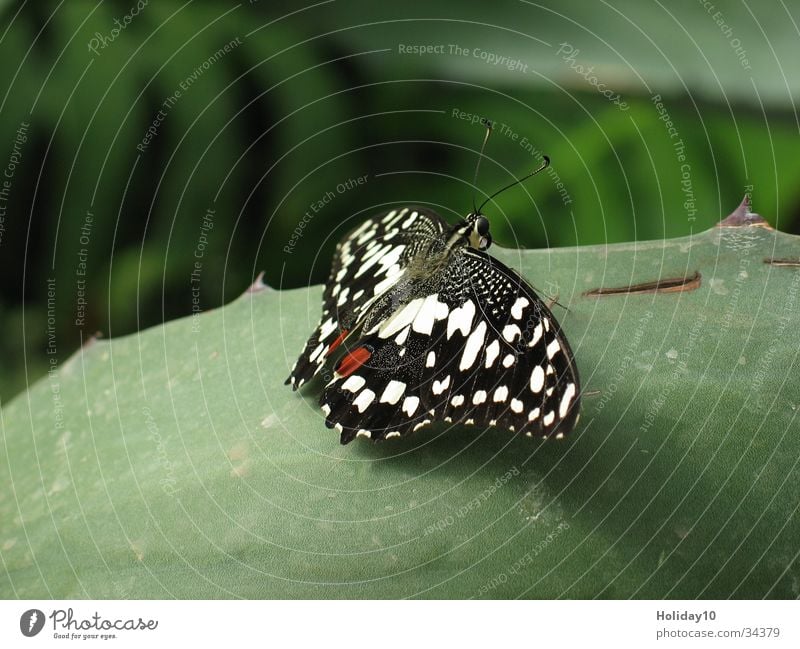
x: 482, y: 226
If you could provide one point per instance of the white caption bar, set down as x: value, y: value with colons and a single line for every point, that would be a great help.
x: 389, y: 624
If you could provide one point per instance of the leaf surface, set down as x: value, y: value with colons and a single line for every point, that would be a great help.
x: 175, y: 463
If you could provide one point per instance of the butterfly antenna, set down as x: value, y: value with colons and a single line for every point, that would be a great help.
x: 478, y: 165
x: 544, y: 166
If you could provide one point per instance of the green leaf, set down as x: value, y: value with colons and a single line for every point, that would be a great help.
x: 175, y: 463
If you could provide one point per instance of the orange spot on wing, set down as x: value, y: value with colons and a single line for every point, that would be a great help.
x: 337, y: 342
x: 353, y: 361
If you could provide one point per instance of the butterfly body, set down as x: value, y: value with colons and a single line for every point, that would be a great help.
x: 420, y: 324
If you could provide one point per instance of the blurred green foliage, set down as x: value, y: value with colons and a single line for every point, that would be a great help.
x: 307, y: 97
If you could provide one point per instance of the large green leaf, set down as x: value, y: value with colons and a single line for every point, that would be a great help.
x: 314, y: 95
x: 175, y: 463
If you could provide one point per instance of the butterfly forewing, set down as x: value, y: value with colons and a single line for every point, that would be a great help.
x: 368, y: 262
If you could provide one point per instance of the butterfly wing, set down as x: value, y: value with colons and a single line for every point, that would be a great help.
x: 473, y: 344
x: 368, y: 261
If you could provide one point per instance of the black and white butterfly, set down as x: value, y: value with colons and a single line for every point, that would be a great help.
x: 419, y: 324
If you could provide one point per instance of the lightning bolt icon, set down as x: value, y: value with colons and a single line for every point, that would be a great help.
x: 32, y: 621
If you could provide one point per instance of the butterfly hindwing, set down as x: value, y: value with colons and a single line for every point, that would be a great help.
x: 471, y: 344
x: 368, y: 262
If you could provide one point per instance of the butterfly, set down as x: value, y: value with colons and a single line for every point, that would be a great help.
x: 420, y: 324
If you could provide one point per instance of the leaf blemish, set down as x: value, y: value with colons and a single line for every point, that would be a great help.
x: 791, y: 263
x: 670, y: 285
x: 239, y: 451
x: 718, y: 286
x: 138, y: 550
x: 270, y: 420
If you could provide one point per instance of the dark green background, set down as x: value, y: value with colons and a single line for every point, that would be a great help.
x: 313, y: 97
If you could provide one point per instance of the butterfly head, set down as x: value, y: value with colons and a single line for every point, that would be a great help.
x: 475, y: 229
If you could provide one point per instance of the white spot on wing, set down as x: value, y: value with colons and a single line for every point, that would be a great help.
x: 410, y: 405
x: 394, y: 390
x: 537, y: 335
x: 430, y: 361
x: 366, y: 237
x: 500, y: 394
x: 400, y: 338
x: 516, y: 310
x: 430, y: 311
x: 516, y: 405
x: 316, y: 352
x: 371, y: 251
x: 510, y: 332
x: 327, y: 328
x: 353, y: 383
x: 569, y: 393
x: 479, y: 397
x: 390, y: 258
x: 395, y: 219
x: 508, y: 361
x: 461, y: 319
x: 400, y: 318
x: 473, y: 346
x: 409, y: 221
x: 375, y: 257
x: 440, y: 386
x: 364, y: 398
x: 492, y: 351
x: 392, y: 278
x: 553, y: 348
x: 549, y: 418
x: 537, y: 379
x: 457, y: 400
